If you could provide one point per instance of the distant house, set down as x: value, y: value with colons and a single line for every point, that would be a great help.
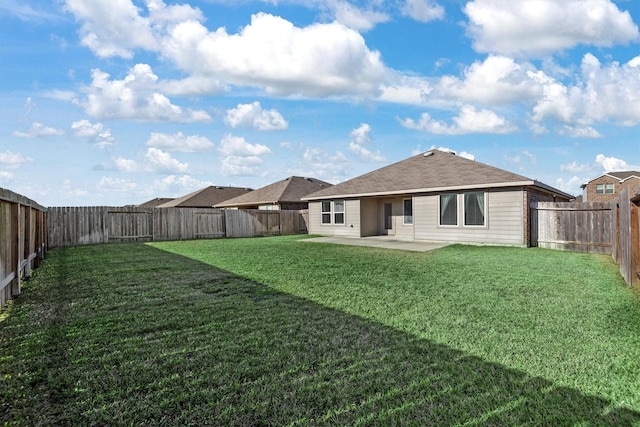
x: 282, y: 195
x: 206, y: 197
x: 607, y: 187
x: 432, y: 196
x: 154, y: 202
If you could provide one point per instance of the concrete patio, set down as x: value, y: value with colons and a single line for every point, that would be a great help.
x: 386, y: 242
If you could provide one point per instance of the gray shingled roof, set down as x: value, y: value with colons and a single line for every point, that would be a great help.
x: 154, y: 202
x: 433, y: 170
x: 288, y: 190
x: 621, y: 175
x: 205, y: 197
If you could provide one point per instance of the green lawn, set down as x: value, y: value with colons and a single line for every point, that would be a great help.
x: 277, y: 331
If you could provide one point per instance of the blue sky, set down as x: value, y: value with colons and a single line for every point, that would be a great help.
x: 117, y: 102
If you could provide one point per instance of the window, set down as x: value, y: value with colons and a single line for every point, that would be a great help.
x: 448, y: 209
x: 326, y: 212
x: 332, y: 212
x: 604, y: 189
x: 338, y: 207
x: 408, y: 211
x: 474, y: 209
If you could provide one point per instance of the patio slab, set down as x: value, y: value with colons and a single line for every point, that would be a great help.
x: 381, y: 242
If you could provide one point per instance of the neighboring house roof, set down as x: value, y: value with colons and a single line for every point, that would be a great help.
x: 431, y: 171
x: 288, y: 190
x: 205, y: 197
x: 620, y: 176
x: 154, y: 202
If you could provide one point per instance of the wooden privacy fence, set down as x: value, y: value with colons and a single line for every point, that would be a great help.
x: 573, y: 226
x: 88, y: 225
x: 22, y: 241
x: 595, y: 227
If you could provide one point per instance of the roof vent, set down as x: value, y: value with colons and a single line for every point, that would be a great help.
x: 428, y: 153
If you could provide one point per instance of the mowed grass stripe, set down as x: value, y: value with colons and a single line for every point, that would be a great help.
x: 128, y: 334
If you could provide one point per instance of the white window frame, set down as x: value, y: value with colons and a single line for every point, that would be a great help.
x: 404, y: 212
x: 337, y: 212
x: 455, y: 198
x: 323, y: 212
x: 608, y: 187
x: 484, y: 209
x: 599, y: 188
x: 333, y: 213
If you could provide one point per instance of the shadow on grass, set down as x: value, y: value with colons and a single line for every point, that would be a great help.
x: 129, y: 334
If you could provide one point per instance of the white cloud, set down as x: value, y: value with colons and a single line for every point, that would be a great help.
x: 241, y: 157
x: 179, y: 142
x: 38, y: 130
x: 134, y: 97
x: 600, y: 94
x: 468, y: 121
x: 360, y: 137
x: 612, y: 164
x: 5, y: 177
x: 600, y: 164
x: 157, y: 161
x: 412, y: 90
x: 114, y: 184
x: 571, y: 185
x: 580, y: 132
x: 125, y: 165
x: 112, y: 28
x: 241, y: 165
x: 178, y: 185
x: 538, y: 28
x: 496, y: 80
x: 253, y: 116
x: 238, y: 146
x: 353, y: 17
x: 116, y: 28
x: 327, y: 166
x: 423, y: 10
x: 94, y: 132
x: 575, y: 167
x: 13, y: 161
x: 273, y: 54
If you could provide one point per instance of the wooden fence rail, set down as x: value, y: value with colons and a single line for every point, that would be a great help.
x: 22, y: 241
x: 89, y: 225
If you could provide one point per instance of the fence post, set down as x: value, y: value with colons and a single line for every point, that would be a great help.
x: 15, y: 247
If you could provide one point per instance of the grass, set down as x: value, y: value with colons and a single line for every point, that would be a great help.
x: 277, y: 331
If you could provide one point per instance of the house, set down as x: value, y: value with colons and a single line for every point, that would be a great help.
x: 205, y: 197
x: 282, y: 195
x: 154, y: 202
x: 432, y: 196
x: 607, y: 187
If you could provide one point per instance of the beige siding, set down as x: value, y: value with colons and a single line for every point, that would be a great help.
x: 504, y: 220
x: 369, y: 217
x: 351, y: 227
x: 403, y: 231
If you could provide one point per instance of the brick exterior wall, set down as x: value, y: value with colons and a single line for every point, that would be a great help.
x: 632, y: 185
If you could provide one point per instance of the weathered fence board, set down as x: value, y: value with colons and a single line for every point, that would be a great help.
x: 22, y: 241
x: 580, y: 227
x: 89, y: 225
x: 626, y: 239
